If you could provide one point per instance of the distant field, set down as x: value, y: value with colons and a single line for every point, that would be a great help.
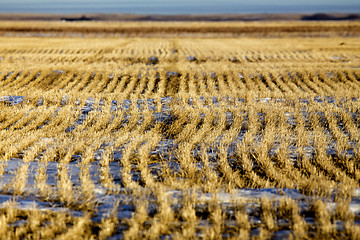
x: 179, y: 137
x: 180, y: 29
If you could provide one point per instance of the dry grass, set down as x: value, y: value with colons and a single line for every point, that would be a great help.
x: 179, y: 137
x: 185, y: 29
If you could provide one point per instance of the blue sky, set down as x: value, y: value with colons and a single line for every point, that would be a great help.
x: 282, y: 2
x: 178, y: 6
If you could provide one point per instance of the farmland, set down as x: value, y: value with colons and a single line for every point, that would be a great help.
x: 127, y: 134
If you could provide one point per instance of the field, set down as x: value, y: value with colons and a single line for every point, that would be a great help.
x: 176, y: 134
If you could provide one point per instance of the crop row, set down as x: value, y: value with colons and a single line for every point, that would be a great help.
x: 156, y: 83
x: 77, y: 153
x: 135, y: 51
x: 179, y: 138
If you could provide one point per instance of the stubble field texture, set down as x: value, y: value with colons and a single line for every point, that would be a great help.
x: 112, y: 133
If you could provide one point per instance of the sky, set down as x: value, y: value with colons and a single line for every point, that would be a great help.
x: 178, y: 6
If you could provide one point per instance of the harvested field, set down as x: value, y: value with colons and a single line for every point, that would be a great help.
x: 180, y: 137
x: 181, y: 29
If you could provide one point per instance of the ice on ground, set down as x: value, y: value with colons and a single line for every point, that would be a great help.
x: 12, y: 100
x: 153, y: 60
x: 64, y: 100
x: 170, y: 74
x: 191, y: 58
x: 31, y: 203
x: 246, y: 195
x: 59, y: 71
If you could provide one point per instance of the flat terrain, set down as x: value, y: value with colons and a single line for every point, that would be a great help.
x: 123, y: 131
x: 175, y: 29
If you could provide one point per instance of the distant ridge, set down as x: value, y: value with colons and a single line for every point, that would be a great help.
x: 329, y: 17
x: 210, y: 17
